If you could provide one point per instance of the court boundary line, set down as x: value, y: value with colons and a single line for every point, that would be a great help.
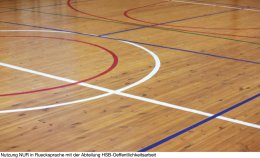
x: 127, y: 12
x: 148, y: 44
x: 153, y: 25
x: 156, y: 102
x: 167, y: 22
x: 100, y: 74
x: 147, y: 77
x: 209, y: 34
x: 185, y: 130
x: 172, y: 26
x: 190, y: 32
x: 220, y: 113
x: 120, y: 93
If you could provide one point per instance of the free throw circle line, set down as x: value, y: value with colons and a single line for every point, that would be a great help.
x: 110, y: 68
x: 110, y: 92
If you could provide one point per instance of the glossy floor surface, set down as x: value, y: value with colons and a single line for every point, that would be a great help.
x: 131, y: 75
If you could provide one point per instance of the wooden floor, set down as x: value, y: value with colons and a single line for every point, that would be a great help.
x: 132, y: 75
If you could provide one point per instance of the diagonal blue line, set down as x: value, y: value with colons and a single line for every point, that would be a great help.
x: 172, y: 21
x: 148, y: 44
x: 198, y: 124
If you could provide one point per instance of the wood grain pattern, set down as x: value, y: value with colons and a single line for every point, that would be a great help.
x: 209, y: 81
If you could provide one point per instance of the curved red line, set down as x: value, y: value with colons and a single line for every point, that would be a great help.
x: 75, y: 9
x: 114, y: 64
x: 125, y: 13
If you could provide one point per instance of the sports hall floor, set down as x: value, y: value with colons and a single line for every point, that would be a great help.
x: 130, y: 75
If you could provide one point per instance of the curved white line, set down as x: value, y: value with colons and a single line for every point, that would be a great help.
x: 119, y: 92
x: 109, y: 92
x: 150, y: 75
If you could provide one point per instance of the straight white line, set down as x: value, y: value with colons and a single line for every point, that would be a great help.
x: 156, y: 68
x: 118, y: 92
x: 214, y: 5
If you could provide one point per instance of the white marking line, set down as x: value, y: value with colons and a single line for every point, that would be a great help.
x: 147, y: 77
x: 214, y: 5
x: 109, y: 91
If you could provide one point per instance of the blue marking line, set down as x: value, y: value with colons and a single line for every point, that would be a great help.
x: 148, y: 44
x: 198, y: 124
x: 172, y: 21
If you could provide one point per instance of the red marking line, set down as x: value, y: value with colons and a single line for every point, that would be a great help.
x: 114, y: 64
x: 126, y: 14
x: 69, y: 3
